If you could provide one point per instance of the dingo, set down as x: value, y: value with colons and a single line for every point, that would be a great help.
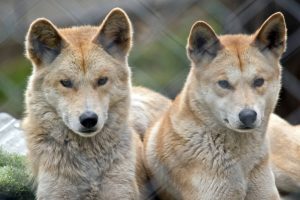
x: 211, y: 143
x: 80, y: 143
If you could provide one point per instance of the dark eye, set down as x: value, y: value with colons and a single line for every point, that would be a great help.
x: 102, y: 81
x: 224, y: 84
x: 66, y: 83
x: 258, y: 82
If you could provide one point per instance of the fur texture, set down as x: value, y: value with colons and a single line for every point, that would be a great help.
x: 285, y: 143
x: 76, y: 70
x: 146, y: 107
x: 200, y: 148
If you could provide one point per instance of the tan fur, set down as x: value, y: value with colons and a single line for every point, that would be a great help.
x: 285, y: 153
x: 66, y: 162
x: 199, y: 149
x: 146, y: 107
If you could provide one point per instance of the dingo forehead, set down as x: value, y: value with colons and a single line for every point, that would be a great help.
x: 237, y: 45
x: 239, y: 58
x: 80, y: 42
x: 77, y: 36
x: 239, y: 55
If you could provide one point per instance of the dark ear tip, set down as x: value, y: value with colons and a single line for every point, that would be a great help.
x: 118, y: 12
x: 203, y: 27
x: 202, y: 41
x: 115, y: 33
x: 120, y: 16
x: 41, y: 22
x: 278, y: 16
x: 43, y: 42
x: 39, y: 25
x: 275, y: 20
x: 272, y: 34
x: 201, y: 24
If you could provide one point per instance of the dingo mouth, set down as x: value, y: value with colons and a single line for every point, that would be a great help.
x: 88, y: 130
x: 241, y: 128
x: 246, y: 127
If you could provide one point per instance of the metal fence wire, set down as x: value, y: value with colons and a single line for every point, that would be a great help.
x: 161, y: 27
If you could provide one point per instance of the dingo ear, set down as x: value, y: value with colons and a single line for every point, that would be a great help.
x: 272, y: 35
x: 202, y: 41
x: 43, y: 42
x: 115, y: 34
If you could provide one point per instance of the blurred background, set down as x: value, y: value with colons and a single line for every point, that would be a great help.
x: 158, y: 58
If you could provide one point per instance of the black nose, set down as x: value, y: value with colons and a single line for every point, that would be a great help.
x: 88, y: 119
x: 248, y: 117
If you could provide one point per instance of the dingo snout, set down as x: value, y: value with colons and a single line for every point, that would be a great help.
x: 88, y: 120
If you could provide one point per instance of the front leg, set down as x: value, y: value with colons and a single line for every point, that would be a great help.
x: 51, y: 187
x: 120, y: 182
x: 119, y: 187
x: 262, y: 183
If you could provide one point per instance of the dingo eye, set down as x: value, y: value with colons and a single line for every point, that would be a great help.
x: 224, y: 84
x: 258, y: 82
x: 102, y: 81
x: 66, y: 83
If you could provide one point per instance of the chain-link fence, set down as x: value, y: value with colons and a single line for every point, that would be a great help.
x: 161, y: 28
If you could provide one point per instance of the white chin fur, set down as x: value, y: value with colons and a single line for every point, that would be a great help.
x: 86, y: 134
x: 229, y: 126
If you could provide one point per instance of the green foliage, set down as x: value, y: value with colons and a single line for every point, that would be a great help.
x: 160, y: 64
x: 13, y: 78
x: 14, y: 178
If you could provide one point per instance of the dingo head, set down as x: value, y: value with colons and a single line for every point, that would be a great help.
x: 236, y: 78
x: 82, y: 72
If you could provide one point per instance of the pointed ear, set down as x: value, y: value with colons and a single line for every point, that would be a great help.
x: 43, y: 42
x: 115, y: 34
x: 202, y: 42
x: 271, y: 36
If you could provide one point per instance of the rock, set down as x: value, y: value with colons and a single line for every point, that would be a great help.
x: 11, y: 136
